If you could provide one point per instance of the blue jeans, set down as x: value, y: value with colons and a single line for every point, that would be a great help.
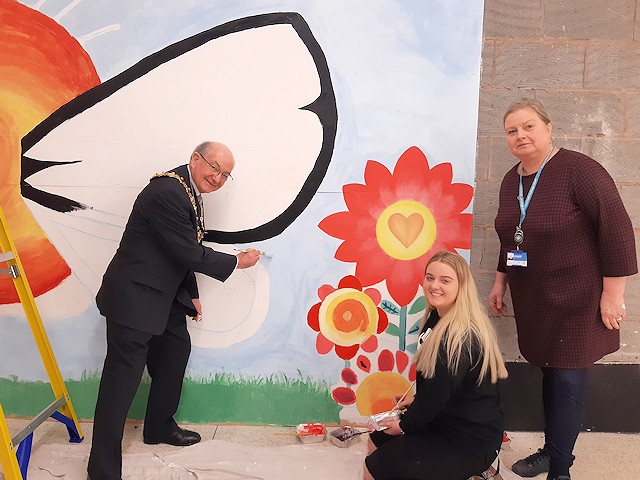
x: 563, y: 399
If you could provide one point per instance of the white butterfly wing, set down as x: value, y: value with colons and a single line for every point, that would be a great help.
x: 259, y: 84
x: 250, y: 88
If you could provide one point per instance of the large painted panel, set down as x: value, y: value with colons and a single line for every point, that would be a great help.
x: 353, y: 125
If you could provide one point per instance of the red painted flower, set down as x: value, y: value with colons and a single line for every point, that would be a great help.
x: 347, y: 318
x: 395, y: 222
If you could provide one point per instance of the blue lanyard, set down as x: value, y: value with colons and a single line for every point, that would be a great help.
x: 524, y: 203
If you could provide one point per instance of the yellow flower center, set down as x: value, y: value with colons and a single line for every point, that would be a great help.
x: 406, y: 230
x: 348, y: 317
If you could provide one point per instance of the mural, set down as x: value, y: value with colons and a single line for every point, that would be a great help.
x: 394, y: 224
x: 95, y: 99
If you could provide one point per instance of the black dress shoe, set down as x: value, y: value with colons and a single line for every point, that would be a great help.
x: 179, y: 438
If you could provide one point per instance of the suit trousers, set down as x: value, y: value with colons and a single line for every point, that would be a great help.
x: 128, y: 351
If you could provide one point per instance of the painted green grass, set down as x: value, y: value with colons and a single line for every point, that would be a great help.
x: 218, y: 398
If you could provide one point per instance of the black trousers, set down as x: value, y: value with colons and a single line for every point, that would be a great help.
x: 422, y: 456
x: 563, y: 395
x: 128, y: 351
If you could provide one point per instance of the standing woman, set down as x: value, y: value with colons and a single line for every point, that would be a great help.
x: 453, y: 427
x: 567, y: 246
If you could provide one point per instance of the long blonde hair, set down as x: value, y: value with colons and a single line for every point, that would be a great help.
x: 465, y: 321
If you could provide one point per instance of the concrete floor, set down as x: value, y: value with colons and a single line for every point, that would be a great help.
x: 271, y: 452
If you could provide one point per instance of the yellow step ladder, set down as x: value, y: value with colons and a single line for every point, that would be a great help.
x: 16, y: 461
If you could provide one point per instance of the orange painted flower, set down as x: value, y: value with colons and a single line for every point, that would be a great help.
x: 395, y: 222
x: 375, y: 393
x: 347, y: 318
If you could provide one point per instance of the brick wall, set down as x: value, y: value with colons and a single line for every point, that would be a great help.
x: 582, y: 60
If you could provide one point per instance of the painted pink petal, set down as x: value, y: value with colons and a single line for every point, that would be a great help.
x: 325, y: 290
x: 323, y: 346
x: 374, y: 294
x: 370, y: 344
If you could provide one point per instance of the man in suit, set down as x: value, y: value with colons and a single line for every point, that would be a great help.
x: 147, y: 291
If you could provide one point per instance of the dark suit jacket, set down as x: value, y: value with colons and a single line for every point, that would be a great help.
x: 157, y: 257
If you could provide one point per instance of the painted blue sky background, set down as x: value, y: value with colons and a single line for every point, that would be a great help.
x: 404, y: 72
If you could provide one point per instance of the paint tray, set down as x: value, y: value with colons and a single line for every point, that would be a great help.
x: 345, y: 436
x: 311, y: 432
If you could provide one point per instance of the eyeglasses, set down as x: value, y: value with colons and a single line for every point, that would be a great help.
x: 216, y: 170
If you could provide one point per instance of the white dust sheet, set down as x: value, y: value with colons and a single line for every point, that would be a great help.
x: 210, y: 460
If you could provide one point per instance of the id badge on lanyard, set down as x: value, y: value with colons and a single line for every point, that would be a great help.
x: 517, y: 257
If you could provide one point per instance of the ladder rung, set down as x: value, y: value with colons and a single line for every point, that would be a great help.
x: 61, y: 409
x: 4, y: 256
x: 37, y: 420
x: 13, y: 271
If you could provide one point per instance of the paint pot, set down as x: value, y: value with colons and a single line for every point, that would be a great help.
x: 345, y: 436
x: 311, y: 432
x: 374, y: 420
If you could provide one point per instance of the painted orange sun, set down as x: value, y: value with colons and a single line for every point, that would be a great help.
x: 42, y: 67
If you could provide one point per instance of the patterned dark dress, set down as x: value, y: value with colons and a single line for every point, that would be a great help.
x: 576, y: 232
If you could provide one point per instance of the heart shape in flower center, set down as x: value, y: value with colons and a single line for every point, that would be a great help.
x: 406, y: 229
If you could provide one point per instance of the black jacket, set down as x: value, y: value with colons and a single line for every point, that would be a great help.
x: 454, y: 405
x: 157, y: 257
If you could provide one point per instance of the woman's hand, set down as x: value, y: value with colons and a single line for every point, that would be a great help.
x: 401, y: 403
x: 393, y: 427
x: 612, y: 308
x: 496, y: 304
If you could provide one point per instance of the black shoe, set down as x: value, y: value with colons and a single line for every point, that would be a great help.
x: 559, y: 477
x: 179, y: 438
x: 533, y: 465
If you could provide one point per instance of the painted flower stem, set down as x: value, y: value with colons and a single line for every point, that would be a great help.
x: 402, y: 334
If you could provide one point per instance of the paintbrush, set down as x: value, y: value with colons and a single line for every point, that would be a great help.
x: 346, y: 432
x: 300, y: 434
x: 395, y: 407
x: 266, y: 254
x: 294, y: 434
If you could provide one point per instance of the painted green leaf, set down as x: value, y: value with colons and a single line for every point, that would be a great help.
x: 418, y: 306
x: 393, y: 330
x: 390, y: 307
x: 415, y: 328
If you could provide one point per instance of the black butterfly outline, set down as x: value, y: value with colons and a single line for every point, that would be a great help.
x: 324, y: 107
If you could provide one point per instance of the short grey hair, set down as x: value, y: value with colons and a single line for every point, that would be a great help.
x: 533, y: 104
